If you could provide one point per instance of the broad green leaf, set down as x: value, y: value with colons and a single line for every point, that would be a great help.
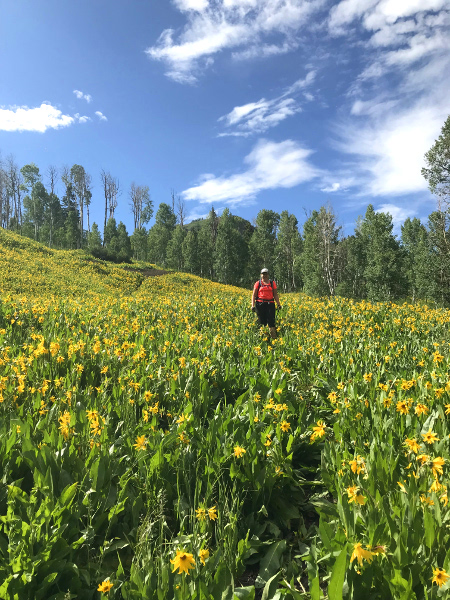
x: 338, y: 576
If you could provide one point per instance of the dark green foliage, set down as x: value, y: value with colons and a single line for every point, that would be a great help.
x: 383, y: 274
x: 160, y: 234
x: 437, y: 170
x: 94, y: 238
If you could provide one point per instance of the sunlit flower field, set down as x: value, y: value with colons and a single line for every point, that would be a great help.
x: 155, y: 443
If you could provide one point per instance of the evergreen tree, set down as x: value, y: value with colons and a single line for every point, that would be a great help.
x: 139, y: 241
x: 263, y: 241
x: 110, y: 233
x: 123, y: 242
x: 161, y: 233
x: 414, y: 242
x: 175, y: 258
x: 205, y: 250
x: 314, y: 281
x: 227, y: 254
x: 439, y: 243
x: 352, y: 283
x: 437, y: 170
x: 94, y: 239
x: 383, y: 266
x: 72, y: 234
x: 190, y: 252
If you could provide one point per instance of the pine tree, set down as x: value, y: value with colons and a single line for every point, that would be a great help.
x: 175, y: 259
x: 110, y: 233
x: 437, y: 170
x: 139, y: 241
x: 72, y: 237
x: 205, y: 250
x: 123, y: 241
x: 161, y: 233
x: 94, y: 239
x: 227, y: 256
x: 439, y: 240
x: 416, y: 258
x: 263, y: 241
x: 383, y: 271
x: 191, y: 252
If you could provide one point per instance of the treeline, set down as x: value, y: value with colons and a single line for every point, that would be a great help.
x: 372, y: 263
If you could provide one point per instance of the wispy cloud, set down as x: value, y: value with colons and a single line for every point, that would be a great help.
x: 269, y: 165
x: 100, y: 115
x: 41, y: 118
x: 400, y: 100
x: 258, y: 117
x: 82, y: 118
x: 82, y: 96
x: 244, y: 26
x: 389, y: 149
x: 334, y: 187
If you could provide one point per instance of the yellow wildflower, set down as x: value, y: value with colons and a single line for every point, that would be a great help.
x: 239, y: 451
x: 105, y: 586
x: 141, y: 443
x: 440, y: 576
x: 430, y: 437
x: 183, y: 561
x: 360, y: 554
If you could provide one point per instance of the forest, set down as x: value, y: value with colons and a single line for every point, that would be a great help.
x: 372, y: 263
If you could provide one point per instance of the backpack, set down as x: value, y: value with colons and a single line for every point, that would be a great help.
x: 259, y: 285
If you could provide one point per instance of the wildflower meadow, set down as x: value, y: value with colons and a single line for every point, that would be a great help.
x: 155, y: 443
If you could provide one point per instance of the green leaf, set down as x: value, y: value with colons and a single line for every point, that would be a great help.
x: 270, y: 587
x: 338, y: 576
x: 68, y: 494
x: 223, y: 583
x: 244, y: 593
x: 314, y: 589
x: 430, y: 529
x: 270, y: 564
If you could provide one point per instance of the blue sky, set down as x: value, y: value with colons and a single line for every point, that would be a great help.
x: 250, y: 104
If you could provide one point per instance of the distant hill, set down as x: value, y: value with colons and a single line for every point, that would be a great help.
x: 30, y: 269
x: 244, y: 227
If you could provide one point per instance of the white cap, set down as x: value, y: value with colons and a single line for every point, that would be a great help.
x: 264, y: 270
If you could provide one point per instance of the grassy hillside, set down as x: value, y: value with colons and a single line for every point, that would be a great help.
x: 155, y: 443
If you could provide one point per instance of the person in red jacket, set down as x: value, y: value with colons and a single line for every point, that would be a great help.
x: 263, y: 301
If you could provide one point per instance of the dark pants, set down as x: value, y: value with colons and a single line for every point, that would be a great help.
x: 266, y: 313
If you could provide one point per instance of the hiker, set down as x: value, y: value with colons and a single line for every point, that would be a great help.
x: 263, y: 301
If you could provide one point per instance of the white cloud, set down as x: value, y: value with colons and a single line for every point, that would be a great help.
x: 334, y: 187
x: 41, y: 118
x: 82, y: 96
x: 100, y: 115
x: 191, y: 5
x: 265, y: 50
x: 303, y: 83
x: 390, y: 148
x: 257, y: 117
x: 270, y: 165
x: 400, y: 100
x: 217, y: 25
x: 82, y: 119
